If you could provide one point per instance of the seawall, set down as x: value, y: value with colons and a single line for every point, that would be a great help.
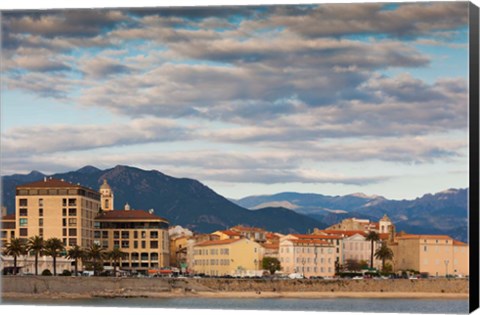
x: 32, y: 286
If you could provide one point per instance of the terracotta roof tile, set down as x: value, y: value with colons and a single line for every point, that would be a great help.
x: 217, y: 242
x: 230, y: 233
x: 316, y: 236
x: 51, y: 183
x: 271, y: 246
x: 128, y: 215
x: 425, y: 236
x: 346, y: 232
x: 458, y: 243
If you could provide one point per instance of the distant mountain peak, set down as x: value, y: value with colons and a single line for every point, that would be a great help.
x: 364, y: 196
x: 88, y: 170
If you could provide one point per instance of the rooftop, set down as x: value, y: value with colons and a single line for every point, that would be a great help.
x: 51, y: 183
x: 128, y: 215
x: 218, y: 242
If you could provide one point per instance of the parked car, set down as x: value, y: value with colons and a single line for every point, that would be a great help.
x: 295, y: 276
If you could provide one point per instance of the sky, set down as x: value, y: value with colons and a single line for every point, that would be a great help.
x: 326, y: 98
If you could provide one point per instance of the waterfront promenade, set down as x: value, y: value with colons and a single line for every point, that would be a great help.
x: 92, y: 287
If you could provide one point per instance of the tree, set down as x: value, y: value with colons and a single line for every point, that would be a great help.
x: 271, y: 264
x: 15, y: 248
x: 384, y: 253
x: 115, y: 254
x: 372, y: 237
x: 95, y: 254
x: 76, y: 253
x: 35, y: 245
x: 353, y: 265
x: 53, y: 247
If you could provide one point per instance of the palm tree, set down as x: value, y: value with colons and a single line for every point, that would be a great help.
x: 76, y: 253
x: 35, y: 245
x: 95, y: 253
x: 15, y: 248
x: 53, y: 247
x: 384, y: 253
x: 372, y: 237
x: 115, y: 254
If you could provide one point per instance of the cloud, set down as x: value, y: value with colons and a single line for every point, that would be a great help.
x: 102, y: 67
x: 66, y: 138
x: 407, y: 20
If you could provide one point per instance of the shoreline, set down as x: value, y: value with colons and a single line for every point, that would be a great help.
x: 235, y: 295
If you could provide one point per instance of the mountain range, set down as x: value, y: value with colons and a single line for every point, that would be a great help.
x: 189, y: 203
x: 445, y: 212
x: 182, y: 201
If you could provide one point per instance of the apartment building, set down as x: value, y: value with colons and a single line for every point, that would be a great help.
x: 234, y: 257
x: 308, y: 256
x: 56, y: 208
x: 7, y: 228
x: 437, y: 255
x: 335, y: 240
x: 142, y: 235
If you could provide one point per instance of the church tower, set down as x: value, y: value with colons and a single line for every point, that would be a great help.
x: 106, y: 196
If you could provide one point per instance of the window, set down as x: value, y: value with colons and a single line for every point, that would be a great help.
x: 72, y: 232
x: 72, y: 222
x: 153, y: 234
x: 116, y: 244
x: 40, y: 202
x: 40, y: 212
x: 125, y: 234
x: 125, y: 244
x: 72, y: 202
x: 144, y: 256
x: 154, y: 244
x: 40, y: 232
x: 104, y: 234
x: 24, y: 232
x: 72, y: 212
x: 144, y: 234
x: 116, y: 235
x: 135, y: 234
x: 64, y: 202
x: 64, y: 212
x: 72, y: 241
x: 64, y: 232
x: 135, y: 244
x: 144, y: 244
x: 40, y: 222
x: 23, y: 212
x: 23, y: 202
x: 96, y: 234
x: 23, y: 222
x: 424, y: 248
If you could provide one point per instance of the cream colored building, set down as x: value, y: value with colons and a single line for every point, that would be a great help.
x: 228, y: 234
x: 307, y: 256
x: 234, y: 257
x: 437, y: 255
x: 26, y: 264
x: 357, y: 248
x: 178, y: 250
x: 7, y: 229
x: 142, y: 235
x: 56, y: 208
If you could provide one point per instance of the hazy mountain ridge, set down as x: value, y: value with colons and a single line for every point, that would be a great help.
x: 445, y: 212
x: 182, y: 201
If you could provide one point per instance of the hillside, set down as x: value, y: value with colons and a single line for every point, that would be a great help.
x: 182, y: 201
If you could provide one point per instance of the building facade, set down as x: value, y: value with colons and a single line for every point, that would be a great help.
x: 309, y: 257
x: 142, y: 235
x: 234, y: 257
x: 437, y: 255
x: 56, y: 208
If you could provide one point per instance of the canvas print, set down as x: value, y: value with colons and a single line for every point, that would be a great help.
x: 303, y: 157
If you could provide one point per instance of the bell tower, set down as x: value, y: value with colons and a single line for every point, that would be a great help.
x: 106, y: 197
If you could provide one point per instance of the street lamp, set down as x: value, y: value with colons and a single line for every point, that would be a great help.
x: 446, y: 267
